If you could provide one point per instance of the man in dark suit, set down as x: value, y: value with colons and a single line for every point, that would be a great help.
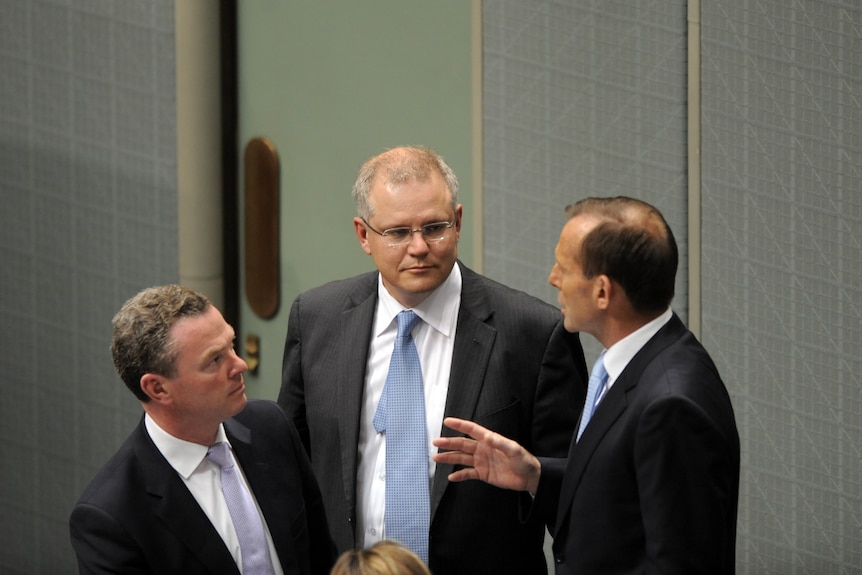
x: 486, y: 352
x: 652, y: 483
x: 157, y: 505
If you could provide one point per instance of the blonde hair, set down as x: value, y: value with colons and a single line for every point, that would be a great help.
x: 382, y: 558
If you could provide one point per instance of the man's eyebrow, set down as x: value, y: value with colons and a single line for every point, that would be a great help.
x: 219, y: 348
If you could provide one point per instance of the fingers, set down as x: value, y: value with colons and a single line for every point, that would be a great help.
x: 480, y: 435
x: 458, y: 450
x: 475, y: 434
x: 487, y: 456
x: 454, y: 457
x: 474, y: 430
x: 460, y: 453
x: 456, y: 444
x: 466, y: 474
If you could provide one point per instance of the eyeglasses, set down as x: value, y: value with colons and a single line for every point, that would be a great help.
x: 399, y: 236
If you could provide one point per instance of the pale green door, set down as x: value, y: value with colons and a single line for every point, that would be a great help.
x: 332, y: 83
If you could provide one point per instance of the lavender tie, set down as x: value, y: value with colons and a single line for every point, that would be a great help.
x: 243, y: 513
x: 401, y: 414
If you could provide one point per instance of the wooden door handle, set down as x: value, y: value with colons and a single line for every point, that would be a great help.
x: 262, y: 177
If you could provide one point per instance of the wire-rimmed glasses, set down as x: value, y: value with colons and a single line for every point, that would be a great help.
x: 433, y: 232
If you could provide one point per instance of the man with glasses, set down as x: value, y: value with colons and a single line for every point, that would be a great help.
x: 484, y: 351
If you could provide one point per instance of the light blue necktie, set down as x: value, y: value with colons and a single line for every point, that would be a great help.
x: 401, y: 414
x: 598, y: 378
x: 243, y: 513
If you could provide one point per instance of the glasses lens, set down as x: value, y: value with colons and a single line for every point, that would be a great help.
x: 436, y: 231
x: 430, y: 233
x: 397, y: 236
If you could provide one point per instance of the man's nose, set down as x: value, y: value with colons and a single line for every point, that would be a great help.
x: 421, y: 243
x: 241, y: 365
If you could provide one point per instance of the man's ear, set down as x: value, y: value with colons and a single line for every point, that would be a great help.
x: 604, y: 291
x: 362, y: 234
x: 155, y: 386
x: 459, y: 212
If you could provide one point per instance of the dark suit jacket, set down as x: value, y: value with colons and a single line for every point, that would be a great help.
x: 653, y: 484
x: 514, y: 369
x: 137, y: 516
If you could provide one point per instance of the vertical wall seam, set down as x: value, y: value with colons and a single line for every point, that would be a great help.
x: 478, y: 167
x: 694, y: 170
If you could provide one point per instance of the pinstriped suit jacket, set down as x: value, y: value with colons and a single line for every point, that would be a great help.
x: 514, y: 369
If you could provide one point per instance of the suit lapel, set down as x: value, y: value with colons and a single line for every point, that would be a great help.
x: 356, y: 325
x: 609, y: 411
x: 474, y: 339
x: 175, y: 506
x: 273, y: 501
x: 580, y: 452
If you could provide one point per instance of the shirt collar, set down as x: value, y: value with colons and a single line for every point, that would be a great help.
x: 621, y: 353
x: 439, y: 310
x: 184, y: 456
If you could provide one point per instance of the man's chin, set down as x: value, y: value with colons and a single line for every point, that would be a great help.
x: 414, y: 291
x: 568, y: 325
x: 241, y: 402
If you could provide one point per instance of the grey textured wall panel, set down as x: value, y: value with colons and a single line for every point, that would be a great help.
x: 581, y: 98
x: 88, y: 187
x: 782, y: 267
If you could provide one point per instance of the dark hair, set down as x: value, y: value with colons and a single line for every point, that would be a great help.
x: 141, y: 341
x: 632, y: 245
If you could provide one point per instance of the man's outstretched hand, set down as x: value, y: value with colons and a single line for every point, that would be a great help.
x: 487, y: 456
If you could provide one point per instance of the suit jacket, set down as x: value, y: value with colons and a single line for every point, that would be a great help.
x: 514, y: 369
x: 653, y: 484
x: 137, y: 516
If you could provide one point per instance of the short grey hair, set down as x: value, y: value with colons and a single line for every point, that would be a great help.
x: 398, y: 165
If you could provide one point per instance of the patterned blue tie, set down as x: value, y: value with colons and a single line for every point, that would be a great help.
x: 598, y: 378
x: 243, y: 513
x: 401, y: 414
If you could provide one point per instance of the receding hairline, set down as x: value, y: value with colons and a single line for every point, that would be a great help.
x: 405, y: 164
x: 399, y: 165
x: 622, y: 211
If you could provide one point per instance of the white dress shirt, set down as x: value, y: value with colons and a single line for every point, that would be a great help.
x: 203, y: 479
x: 618, y: 356
x: 434, y: 337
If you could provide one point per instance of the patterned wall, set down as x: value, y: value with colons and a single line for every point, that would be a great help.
x: 581, y: 98
x: 782, y: 267
x: 88, y: 188
x: 587, y: 97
